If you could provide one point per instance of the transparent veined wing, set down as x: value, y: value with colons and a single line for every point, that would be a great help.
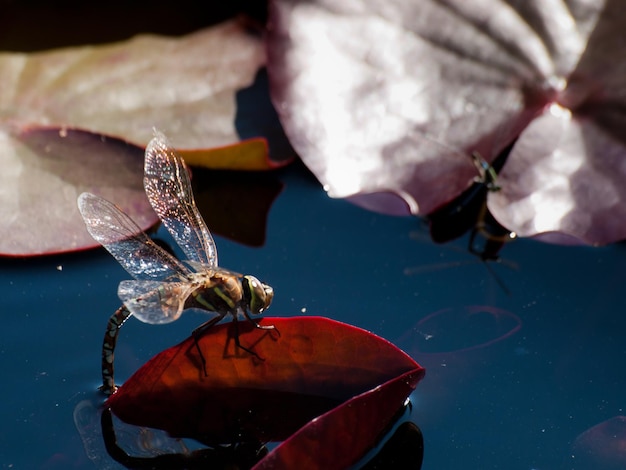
x: 202, y: 267
x: 153, y: 301
x: 168, y: 188
x: 123, y: 238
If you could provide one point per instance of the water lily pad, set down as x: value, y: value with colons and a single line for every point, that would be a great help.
x: 311, y: 367
x: 52, y: 100
x: 390, y: 123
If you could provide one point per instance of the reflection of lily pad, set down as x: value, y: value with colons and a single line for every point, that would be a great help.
x: 461, y: 329
x: 158, y: 453
x: 404, y: 449
x: 602, y: 446
x: 235, y: 205
x: 256, y: 116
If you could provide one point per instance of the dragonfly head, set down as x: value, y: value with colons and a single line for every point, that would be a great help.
x: 258, y: 296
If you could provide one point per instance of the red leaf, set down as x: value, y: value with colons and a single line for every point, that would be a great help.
x: 340, y: 437
x: 312, y: 366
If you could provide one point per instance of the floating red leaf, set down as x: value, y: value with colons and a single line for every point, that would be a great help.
x: 311, y: 367
x: 341, y: 436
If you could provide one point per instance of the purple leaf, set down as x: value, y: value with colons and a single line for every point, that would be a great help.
x: 50, y: 101
x: 389, y: 121
x: 184, y: 86
x: 46, y: 171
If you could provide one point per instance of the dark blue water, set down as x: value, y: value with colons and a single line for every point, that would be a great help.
x: 512, y: 378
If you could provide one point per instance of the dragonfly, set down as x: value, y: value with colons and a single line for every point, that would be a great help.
x: 163, y: 286
x: 469, y: 212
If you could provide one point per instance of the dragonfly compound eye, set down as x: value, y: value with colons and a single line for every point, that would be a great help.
x: 258, y: 295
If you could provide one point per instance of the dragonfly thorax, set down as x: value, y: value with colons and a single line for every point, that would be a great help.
x: 220, y: 292
x: 224, y: 292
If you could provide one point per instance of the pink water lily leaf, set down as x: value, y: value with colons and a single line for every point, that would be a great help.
x: 184, y: 86
x: 384, y: 101
x: 43, y: 174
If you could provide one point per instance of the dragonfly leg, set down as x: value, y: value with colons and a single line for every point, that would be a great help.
x: 197, y: 334
x: 238, y: 343
x: 108, y: 348
x: 256, y: 323
x: 202, y: 329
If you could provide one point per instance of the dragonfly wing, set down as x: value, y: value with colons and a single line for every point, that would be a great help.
x: 202, y: 267
x: 168, y: 187
x: 123, y: 238
x: 153, y: 301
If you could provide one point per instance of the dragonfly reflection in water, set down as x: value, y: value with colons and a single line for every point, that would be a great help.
x: 164, y: 286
